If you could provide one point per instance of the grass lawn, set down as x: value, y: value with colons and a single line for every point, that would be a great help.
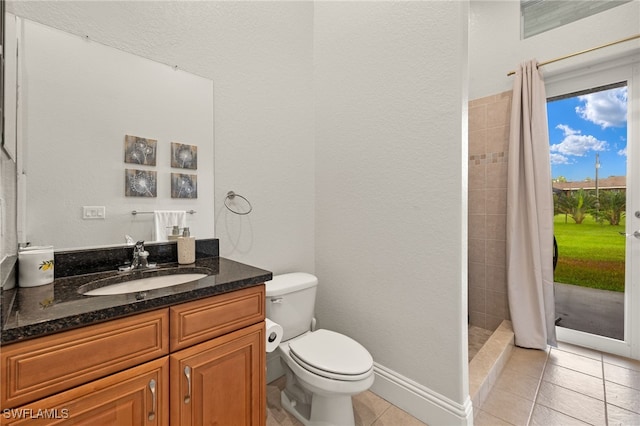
x: 590, y: 254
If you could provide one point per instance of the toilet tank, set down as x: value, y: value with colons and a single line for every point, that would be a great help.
x: 290, y: 302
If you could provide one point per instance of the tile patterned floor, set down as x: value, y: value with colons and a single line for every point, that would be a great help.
x: 369, y: 408
x: 477, y: 337
x: 564, y: 386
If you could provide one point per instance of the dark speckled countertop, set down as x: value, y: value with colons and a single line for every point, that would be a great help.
x: 37, y: 311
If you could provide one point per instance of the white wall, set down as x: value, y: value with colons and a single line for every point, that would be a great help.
x: 391, y: 181
x: 495, y: 47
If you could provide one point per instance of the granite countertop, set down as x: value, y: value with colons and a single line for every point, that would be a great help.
x: 38, y: 311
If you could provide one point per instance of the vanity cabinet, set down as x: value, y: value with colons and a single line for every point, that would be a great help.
x: 220, y: 382
x: 196, y: 363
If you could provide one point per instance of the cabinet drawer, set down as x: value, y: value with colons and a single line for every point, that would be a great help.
x: 201, y: 320
x: 137, y: 396
x: 35, y: 369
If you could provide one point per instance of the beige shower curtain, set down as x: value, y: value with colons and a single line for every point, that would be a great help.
x: 530, y: 214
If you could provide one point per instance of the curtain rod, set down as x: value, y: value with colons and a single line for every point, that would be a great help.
x: 550, y: 61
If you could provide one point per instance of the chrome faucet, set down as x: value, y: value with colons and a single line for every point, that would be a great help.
x: 139, y: 260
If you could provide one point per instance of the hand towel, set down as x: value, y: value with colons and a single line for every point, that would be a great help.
x: 164, y: 220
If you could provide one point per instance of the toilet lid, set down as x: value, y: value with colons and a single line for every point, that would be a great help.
x: 331, y: 352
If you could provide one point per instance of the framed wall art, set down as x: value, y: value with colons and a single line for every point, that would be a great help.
x: 184, y: 186
x: 184, y: 156
x: 139, y: 150
x: 140, y: 183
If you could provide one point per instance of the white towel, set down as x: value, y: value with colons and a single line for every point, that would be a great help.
x: 164, y: 220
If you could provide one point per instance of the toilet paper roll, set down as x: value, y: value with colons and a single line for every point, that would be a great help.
x: 274, y: 334
x: 35, y: 266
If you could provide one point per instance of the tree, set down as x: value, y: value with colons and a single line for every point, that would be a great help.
x: 612, y: 206
x: 576, y: 204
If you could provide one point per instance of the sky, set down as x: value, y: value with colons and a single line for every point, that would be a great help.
x: 581, y: 127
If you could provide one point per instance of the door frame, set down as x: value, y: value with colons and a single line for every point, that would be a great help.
x: 595, y: 75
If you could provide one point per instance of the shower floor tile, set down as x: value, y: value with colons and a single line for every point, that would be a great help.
x: 477, y: 338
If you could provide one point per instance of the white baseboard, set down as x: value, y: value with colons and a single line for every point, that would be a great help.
x: 421, y: 402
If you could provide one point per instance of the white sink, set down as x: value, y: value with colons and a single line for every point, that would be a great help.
x: 143, y: 284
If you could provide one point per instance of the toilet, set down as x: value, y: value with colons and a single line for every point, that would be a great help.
x: 323, y: 368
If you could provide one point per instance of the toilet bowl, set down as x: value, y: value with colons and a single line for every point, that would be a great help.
x: 323, y: 368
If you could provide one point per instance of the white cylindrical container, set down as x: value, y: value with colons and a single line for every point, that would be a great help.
x: 35, y: 266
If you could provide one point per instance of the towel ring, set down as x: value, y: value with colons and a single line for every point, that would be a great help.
x: 230, y: 196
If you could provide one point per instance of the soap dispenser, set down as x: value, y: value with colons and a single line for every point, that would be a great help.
x: 186, y: 248
x: 175, y: 233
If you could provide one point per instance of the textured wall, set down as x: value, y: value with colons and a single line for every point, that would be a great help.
x: 391, y: 183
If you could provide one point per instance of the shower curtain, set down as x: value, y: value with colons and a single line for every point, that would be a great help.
x: 530, y: 214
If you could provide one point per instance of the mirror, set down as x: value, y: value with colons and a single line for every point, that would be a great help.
x: 97, y: 129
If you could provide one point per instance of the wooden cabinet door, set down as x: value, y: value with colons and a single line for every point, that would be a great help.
x: 221, y: 381
x: 138, y: 396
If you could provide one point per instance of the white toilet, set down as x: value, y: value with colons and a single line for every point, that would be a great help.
x: 323, y: 368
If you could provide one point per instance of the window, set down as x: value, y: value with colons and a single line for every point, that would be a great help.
x: 542, y: 15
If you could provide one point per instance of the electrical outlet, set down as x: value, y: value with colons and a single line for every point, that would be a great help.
x: 93, y: 212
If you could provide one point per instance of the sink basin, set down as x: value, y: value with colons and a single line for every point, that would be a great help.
x: 141, y: 284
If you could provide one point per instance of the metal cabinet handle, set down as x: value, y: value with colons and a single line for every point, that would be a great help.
x: 187, y: 373
x: 152, y: 388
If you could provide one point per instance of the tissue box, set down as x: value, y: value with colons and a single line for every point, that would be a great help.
x: 35, y: 266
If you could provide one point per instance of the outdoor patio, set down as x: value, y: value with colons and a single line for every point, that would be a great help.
x: 590, y: 310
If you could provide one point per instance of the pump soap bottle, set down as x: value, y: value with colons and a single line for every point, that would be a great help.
x: 186, y: 248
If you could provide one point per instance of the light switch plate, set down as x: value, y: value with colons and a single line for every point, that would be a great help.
x: 93, y: 212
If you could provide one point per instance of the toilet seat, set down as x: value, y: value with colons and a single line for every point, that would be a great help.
x: 332, y: 355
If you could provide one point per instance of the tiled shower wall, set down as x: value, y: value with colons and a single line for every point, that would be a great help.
x: 488, y: 153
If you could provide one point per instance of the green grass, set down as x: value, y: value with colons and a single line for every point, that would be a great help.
x: 590, y: 254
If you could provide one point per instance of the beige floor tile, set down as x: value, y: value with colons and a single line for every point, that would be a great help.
x: 396, y: 417
x: 620, y: 417
x: 508, y: 407
x: 571, y: 403
x: 530, y: 354
x: 544, y: 416
x: 579, y: 350
x: 622, y: 376
x: 367, y: 407
x: 482, y: 418
x: 576, y: 362
x: 623, y: 397
x: 527, y: 361
x: 517, y: 383
x: 276, y: 415
x: 620, y: 361
x: 574, y: 380
x: 276, y: 420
